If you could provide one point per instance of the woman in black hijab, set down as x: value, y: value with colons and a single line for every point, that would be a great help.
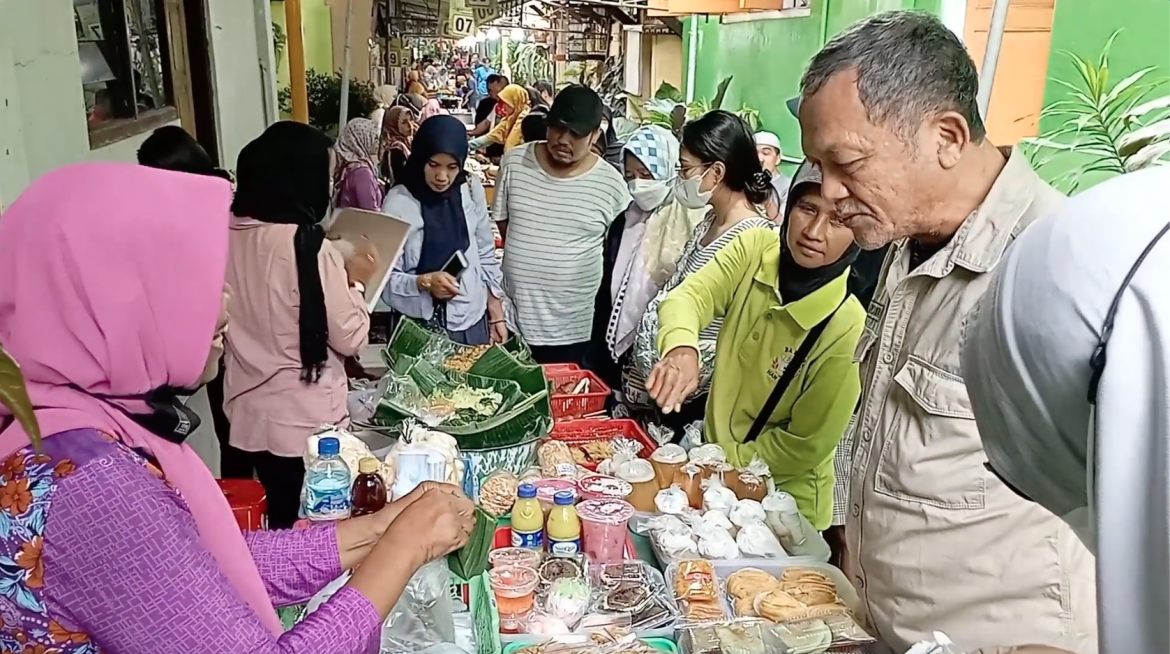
x: 297, y: 309
x: 448, y: 215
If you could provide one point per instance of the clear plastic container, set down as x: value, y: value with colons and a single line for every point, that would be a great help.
x: 596, y: 487
x: 515, y: 590
x: 603, y: 529
x: 514, y: 557
x: 547, y: 488
x: 327, y: 483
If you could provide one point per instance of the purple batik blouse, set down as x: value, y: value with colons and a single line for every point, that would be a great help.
x: 98, y: 553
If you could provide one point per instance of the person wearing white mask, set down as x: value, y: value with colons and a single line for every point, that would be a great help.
x: 719, y: 172
x: 641, y: 250
x: 1067, y: 362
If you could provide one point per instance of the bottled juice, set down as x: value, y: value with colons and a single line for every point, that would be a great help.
x: 564, y: 527
x: 527, y: 519
x: 369, y: 491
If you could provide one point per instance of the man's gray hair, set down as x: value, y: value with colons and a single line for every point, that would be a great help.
x: 908, y: 65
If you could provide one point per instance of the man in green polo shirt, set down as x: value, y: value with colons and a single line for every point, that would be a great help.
x: 772, y: 292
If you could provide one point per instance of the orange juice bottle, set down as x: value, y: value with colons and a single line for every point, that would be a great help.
x: 527, y: 519
x: 564, y: 527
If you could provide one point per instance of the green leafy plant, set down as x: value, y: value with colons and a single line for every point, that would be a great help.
x: 14, y: 397
x: 1107, y: 128
x: 668, y: 108
x: 529, y: 63
x: 324, y: 94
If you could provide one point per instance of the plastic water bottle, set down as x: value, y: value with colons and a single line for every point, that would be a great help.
x: 327, y: 483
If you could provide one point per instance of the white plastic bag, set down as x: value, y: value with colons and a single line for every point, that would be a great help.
x: 746, y: 512
x: 717, y: 497
x: 795, y: 532
x: 757, y: 540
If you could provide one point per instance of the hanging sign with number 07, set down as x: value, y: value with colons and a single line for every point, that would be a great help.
x: 461, y: 25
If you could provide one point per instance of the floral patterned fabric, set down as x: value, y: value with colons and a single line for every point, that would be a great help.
x: 27, y: 624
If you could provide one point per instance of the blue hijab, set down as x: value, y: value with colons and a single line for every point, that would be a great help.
x: 444, y: 223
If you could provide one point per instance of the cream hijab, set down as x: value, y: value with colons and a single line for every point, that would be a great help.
x: 1026, y: 359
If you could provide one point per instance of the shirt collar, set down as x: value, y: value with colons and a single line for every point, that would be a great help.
x: 811, y: 309
x: 984, y: 236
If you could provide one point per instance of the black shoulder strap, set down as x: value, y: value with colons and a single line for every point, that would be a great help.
x: 789, y: 373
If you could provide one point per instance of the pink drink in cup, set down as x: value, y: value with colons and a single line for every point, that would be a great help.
x: 603, y: 529
x: 596, y: 487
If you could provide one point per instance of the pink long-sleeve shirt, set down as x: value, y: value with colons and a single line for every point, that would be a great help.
x: 270, y: 408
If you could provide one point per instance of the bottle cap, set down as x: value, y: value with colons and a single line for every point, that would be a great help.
x: 368, y: 465
x: 328, y: 445
x: 564, y: 498
x: 526, y: 490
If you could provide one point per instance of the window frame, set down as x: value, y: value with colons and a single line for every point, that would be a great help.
x: 172, y: 48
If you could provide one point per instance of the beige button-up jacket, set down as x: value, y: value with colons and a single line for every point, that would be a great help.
x: 936, y: 542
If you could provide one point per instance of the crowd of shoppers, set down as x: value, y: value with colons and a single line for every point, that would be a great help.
x: 969, y: 433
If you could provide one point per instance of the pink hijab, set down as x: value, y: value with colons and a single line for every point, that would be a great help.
x: 113, y: 277
x: 432, y: 108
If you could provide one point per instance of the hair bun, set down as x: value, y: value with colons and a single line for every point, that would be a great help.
x: 760, y: 180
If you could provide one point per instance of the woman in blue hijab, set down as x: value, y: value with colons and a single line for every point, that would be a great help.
x: 448, y: 274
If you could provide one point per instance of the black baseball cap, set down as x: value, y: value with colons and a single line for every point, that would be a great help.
x: 577, y: 108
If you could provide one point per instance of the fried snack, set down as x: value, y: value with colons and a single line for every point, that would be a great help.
x: 556, y: 460
x: 778, y: 606
x: 498, y: 492
x: 465, y: 358
x: 750, y: 582
x: 745, y: 607
x: 702, y: 611
x: 694, y: 581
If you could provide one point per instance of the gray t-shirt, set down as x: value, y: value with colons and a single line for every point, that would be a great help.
x: 552, y: 252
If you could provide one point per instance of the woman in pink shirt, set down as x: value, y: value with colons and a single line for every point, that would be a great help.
x: 116, y: 537
x: 297, y: 309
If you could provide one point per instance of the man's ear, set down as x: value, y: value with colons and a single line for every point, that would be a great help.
x: 952, y: 134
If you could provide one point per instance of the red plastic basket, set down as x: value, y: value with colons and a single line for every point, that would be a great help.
x: 566, y: 406
x: 558, y: 368
x: 574, y: 432
x: 248, y: 502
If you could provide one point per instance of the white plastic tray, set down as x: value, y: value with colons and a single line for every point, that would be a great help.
x: 777, y: 567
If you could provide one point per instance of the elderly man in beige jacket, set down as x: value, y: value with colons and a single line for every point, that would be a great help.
x: 935, y: 541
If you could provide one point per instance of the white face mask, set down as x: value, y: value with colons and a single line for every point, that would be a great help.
x: 687, y: 192
x: 649, y: 194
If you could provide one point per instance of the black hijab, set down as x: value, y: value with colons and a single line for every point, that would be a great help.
x: 796, y: 281
x: 444, y: 223
x: 283, y: 178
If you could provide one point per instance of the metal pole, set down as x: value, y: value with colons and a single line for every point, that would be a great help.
x: 692, y: 52
x: 999, y: 13
x: 344, y: 118
x: 296, y: 61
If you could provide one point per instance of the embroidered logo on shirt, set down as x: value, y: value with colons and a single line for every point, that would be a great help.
x: 780, y: 363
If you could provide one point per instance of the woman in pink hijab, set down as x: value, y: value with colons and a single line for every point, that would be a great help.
x: 432, y: 108
x: 114, y: 537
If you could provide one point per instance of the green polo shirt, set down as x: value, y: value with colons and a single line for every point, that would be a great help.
x: 759, y: 336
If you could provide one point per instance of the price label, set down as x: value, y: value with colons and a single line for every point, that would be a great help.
x: 394, y: 59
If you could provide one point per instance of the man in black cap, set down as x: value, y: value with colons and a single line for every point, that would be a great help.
x: 555, y: 200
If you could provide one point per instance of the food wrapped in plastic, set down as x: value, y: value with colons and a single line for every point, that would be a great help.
x: 567, y: 600
x: 672, y: 500
x: 707, y: 454
x: 692, y: 435
x: 556, y: 460
x: 690, y: 479
x: 660, y: 433
x: 795, y: 532
x: 696, y: 590
x: 803, y: 637
x: 746, y: 512
x: 717, y: 497
x: 756, y: 540
x: 497, y: 493
x: 713, y: 520
x: 940, y: 645
x: 717, y: 543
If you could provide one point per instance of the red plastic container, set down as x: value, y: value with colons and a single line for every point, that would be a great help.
x: 551, y: 369
x: 573, y: 432
x: 565, y: 406
x: 247, y: 499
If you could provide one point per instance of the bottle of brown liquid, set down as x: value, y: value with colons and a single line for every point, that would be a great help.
x: 369, y: 491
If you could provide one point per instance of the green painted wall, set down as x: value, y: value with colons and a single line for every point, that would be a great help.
x: 317, y: 27
x: 767, y: 57
x: 1083, y: 27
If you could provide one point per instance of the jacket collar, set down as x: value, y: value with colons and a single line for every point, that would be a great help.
x: 811, y: 309
x: 982, y: 239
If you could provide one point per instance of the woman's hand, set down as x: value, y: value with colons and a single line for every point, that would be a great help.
x: 497, y: 325
x: 674, y: 378
x: 440, y: 285
x: 438, y: 522
x: 363, y: 263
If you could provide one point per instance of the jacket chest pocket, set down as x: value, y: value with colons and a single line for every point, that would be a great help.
x: 932, y: 453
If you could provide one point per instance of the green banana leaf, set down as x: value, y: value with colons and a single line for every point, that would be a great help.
x: 14, y: 397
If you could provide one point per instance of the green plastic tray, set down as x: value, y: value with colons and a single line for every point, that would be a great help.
x: 660, y: 644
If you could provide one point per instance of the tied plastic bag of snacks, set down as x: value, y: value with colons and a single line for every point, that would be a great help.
x: 940, y: 645
x: 661, y: 435
x: 424, y: 614
x: 692, y: 435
